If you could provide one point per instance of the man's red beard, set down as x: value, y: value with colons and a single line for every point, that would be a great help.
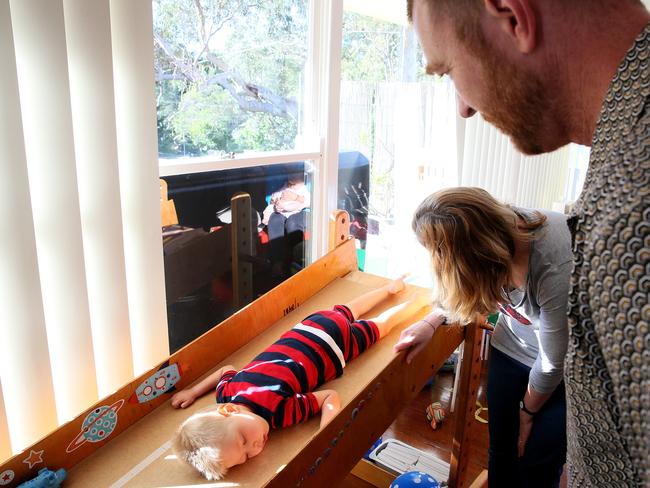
x: 515, y: 103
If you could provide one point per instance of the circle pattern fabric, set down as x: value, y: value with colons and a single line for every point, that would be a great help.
x: 608, y: 362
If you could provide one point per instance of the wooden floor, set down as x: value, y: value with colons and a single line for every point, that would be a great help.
x: 412, y: 428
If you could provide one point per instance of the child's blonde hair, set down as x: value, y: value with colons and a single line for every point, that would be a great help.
x: 199, y: 440
x: 471, y: 237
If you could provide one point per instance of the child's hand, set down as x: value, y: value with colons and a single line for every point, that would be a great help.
x: 183, y: 398
x: 330, y: 405
x: 396, y: 286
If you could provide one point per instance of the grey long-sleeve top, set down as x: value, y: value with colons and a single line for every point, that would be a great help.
x: 540, y: 344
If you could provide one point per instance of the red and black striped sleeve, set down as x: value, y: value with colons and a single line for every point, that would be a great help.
x: 296, y: 409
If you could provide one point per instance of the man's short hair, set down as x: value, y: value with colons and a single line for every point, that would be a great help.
x: 452, y: 7
x: 463, y: 13
x: 462, y: 9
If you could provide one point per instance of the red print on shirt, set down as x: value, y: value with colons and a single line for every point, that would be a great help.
x: 511, y: 312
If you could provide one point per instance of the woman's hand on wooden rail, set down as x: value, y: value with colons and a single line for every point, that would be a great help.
x: 417, y: 336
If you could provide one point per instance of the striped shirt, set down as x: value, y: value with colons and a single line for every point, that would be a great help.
x: 277, y: 384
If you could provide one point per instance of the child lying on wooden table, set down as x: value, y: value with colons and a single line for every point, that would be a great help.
x: 277, y: 389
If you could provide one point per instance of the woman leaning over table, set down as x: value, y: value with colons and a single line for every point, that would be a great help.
x: 487, y: 256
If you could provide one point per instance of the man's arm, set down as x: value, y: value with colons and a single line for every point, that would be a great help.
x: 186, y: 397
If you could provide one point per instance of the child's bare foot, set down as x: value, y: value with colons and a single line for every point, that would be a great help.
x: 396, y: 286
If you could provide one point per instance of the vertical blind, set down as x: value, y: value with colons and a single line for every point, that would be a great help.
x: 418, y: 145
x: 82, y: 281
x: 491, y: 161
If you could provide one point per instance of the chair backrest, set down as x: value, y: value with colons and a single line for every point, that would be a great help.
x: 167, y: 208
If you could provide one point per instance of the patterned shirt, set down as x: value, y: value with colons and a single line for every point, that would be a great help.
x: 607, y: 368
x: 277, y: 384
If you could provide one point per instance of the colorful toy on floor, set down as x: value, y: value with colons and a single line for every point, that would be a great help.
x: 435, y: 414
x: 415, y: 479
x: 45, y: 479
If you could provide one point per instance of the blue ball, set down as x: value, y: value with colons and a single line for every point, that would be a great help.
x: 415, y: 479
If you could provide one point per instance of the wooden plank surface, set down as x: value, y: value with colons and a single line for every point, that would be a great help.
x: 372, y: 474
x: 387, y: 385
x: 60, y: 449
x: 372, y: 389
x: 481, y: 480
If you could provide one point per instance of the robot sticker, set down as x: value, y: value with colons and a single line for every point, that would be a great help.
x: 159, y: 383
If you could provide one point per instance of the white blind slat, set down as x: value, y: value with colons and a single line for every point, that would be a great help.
x: 42, y: 63
x: 132, y: 32
x: 5, y: 443
x: 88, y: 33
x: 30, y: 404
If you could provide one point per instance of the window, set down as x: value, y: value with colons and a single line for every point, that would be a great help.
x: 239, y: 233
x: 229, y: 75
x: 403, y: 122
x: 406, y: 124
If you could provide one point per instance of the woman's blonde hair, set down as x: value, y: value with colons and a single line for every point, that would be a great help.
x: 199, y: 441
x: 471, y: 237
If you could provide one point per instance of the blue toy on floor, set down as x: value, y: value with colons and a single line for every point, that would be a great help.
x: 45, y: 479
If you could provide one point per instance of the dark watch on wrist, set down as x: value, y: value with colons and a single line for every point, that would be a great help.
x: 522, y: 406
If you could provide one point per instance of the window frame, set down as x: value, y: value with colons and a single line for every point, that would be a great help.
x: 320, y: 126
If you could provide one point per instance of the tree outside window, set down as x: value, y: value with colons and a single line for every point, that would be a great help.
x: 229, y: 74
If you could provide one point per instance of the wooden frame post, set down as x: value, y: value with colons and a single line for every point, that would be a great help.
x: 242, y: 245
x: 469, y: 382
x: 339, y: 229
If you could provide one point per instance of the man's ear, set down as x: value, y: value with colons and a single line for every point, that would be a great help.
x: 227, y: 409
x: 518, y: 20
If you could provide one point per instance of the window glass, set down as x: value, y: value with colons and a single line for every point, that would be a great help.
x: 405, y: 124
x: 229, y: 75
x: 399, y: 120
x: 269, y: 210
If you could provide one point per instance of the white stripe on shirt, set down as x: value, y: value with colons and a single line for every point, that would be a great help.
x: 326, y: 337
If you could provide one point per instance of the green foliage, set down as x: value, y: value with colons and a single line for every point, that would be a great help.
x: 205, y: 120
x: 262, y: 130
x: 215, y: 61
x: 370, y: 50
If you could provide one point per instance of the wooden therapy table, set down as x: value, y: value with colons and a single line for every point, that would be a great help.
x: 133, y: 448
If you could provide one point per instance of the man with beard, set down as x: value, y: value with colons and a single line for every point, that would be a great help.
x: 550, y: 72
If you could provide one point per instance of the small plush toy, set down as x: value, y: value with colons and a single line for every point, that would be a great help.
x: 435, y: 414
x: 415, y: 479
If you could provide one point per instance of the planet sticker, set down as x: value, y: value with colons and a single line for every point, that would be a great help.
x: 97, y: 425
x: 162, y: 381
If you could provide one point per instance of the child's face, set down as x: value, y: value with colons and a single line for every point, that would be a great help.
x: 248, y: 437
